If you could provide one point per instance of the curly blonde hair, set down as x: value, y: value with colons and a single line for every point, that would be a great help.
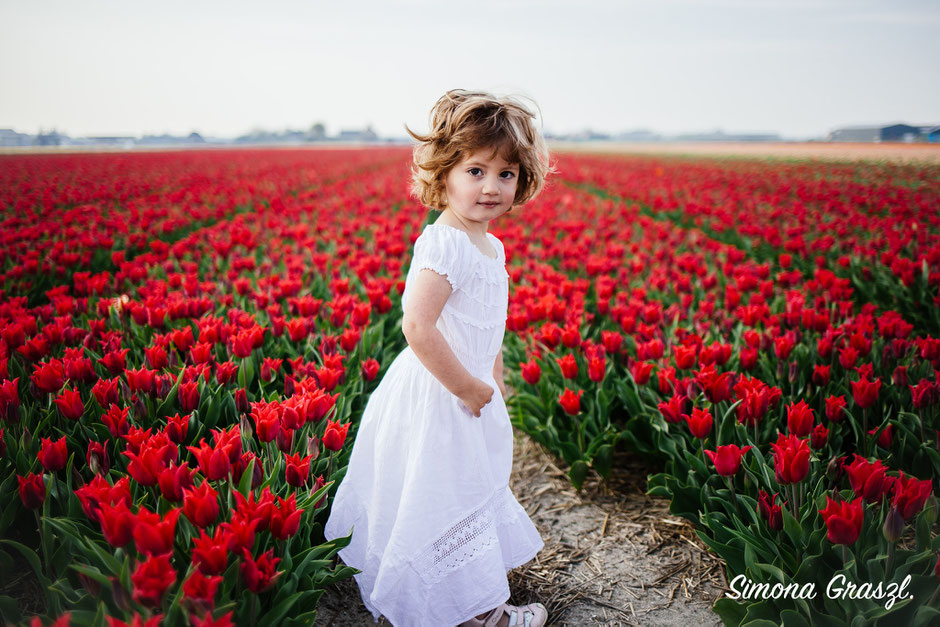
x: 463, y: 122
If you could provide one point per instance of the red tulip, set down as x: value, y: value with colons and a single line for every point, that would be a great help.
x: 49, y: 377
x: 727, y: 459
x: 885, y: 437
x: 201, y: 505
x: 868, y: 479
x: 531, y: 372
x: 259, y: 575
x: 791, y: 459
x: 285, y: 518
x: 70, y: 404
x: 700, y: 422
x: 173, y: 480
x: 152, y: 579
x: 821, y: 375
x: 370, y: 368
x: 843, y: 520
x: 674, y: 409
x: 597, y: 367
x: 267, y: 422
x: 641, y: 371
x: 188, y: 394
x: 140, y: 380
x: 53, y: 455
x: 799, y: 419
x: 97, y: 458
x: 210, y: 553
x: 105, y: 392
x: 835, y: 406
x: 769, y: 510
x: 611, y: 341
x: 32, y: 490
x: 571, y: 401
x: 335, y: 435
x: 568, y: 365
x: 116, y: 420
x: 117, y: 523
x: 297, y: 470
x: 240, y: 533
x: 910, y: 494
x: 213, y: 462
x: 748, y: 358
x: 819, y: 437
x: 865, y: 392
x: 153, y: 534
x: 176, y: 428
x: 201, y: 589
x: 685, y: 356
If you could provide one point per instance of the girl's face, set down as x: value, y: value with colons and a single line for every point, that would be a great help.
x: 481, y: 187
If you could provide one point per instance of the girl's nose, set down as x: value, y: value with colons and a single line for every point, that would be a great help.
x: 490, y: 186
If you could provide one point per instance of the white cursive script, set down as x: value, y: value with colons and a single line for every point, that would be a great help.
x: 839, y: 587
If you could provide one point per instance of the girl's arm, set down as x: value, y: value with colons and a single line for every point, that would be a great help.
x: 498, y: 372
x: 425, y: 303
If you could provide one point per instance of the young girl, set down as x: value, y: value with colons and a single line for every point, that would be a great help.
x: 426, y: 495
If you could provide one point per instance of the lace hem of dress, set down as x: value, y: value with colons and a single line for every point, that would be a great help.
x: 466, y: 541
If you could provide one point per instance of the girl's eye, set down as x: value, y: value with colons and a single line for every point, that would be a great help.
x: 511, y: 174
x: 473, y: 171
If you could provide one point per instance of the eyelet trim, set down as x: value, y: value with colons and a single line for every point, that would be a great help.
x: 466, y: 541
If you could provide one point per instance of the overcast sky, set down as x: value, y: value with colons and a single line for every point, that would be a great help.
x: 797, y: 67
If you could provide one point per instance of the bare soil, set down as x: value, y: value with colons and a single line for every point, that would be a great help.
x: 612, y: 555
x: 838, y: 151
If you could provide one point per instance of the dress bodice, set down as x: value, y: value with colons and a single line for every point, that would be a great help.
x: 473, y: 320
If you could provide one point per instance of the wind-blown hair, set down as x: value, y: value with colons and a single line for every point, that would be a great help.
x: 463, y: 122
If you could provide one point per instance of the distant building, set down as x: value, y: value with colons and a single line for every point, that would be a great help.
x: 123, y: 141
x: 9, y: 137
x: 639, y: 136
x: 888, y: 133
x: 368, y: 135
x: 721, y: 136
x: 931, y: 134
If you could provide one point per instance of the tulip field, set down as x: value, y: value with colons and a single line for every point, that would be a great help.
x: 188, y: 340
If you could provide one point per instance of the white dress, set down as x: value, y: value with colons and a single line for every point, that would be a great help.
x: 435, y: 525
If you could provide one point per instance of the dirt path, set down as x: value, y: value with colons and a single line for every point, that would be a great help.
x: 612, y: 556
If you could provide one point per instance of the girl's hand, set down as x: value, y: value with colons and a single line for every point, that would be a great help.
x: 477, y: 396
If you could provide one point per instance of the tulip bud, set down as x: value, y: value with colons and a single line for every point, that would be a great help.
x: 92, y: 585
x: 936, y: 568
x: 3, y: 444
x: 285, y: 440
x: 241, y: 402
x: 893, y: 526
x: 244, y: 426
x: 313, y: 447
x: 121, y: 598
x: 834, y: 470
x: 289, y: 385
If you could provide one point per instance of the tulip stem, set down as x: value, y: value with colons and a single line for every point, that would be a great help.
x: 734, y: 497
x: 42, y: 543
x: 890, y: 563
x: 865, y: 431
x: 254, y: 608
x: 933, y: 598
x: 845, y: 557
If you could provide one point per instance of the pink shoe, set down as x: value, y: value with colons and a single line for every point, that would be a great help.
x: 531, y: 615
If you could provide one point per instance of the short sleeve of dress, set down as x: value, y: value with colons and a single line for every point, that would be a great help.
x: 439, y: 250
